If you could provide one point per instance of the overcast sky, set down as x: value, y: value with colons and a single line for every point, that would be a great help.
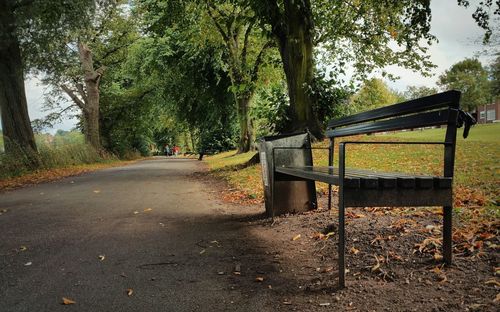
x: 458, y: 36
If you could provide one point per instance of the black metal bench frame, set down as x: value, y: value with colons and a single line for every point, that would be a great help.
x: 361, y: 188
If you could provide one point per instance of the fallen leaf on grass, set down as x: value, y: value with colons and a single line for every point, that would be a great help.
x: 67, y: 301
x: 259, y: 279
x: 492, y: 282
x: 296, y: 237
x: 130, y: 291
x: 101, y: 257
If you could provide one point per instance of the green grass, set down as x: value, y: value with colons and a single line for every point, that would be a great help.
x: 478, y: 133
x: 227, y: 159
x: 477, y: 162
x: 50, y: 157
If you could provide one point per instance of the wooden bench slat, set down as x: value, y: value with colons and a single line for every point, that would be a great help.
x: 428, y: 119
x: 444, y: 99
x: 359, y: 178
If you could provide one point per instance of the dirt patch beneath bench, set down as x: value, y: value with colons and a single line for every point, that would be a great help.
x: 393, y: 260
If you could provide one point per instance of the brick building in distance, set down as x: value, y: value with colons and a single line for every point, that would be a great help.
x: 488, y: 113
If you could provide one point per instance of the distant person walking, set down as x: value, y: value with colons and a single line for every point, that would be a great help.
x: 167, y: 150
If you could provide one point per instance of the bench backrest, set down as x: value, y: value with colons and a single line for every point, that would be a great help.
x: 434, y: 110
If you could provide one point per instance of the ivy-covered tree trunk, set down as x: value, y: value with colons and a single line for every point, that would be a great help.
x: 91, y: 109
x: 296, y: 49
x: 246, y: 125
x: 16, y: 126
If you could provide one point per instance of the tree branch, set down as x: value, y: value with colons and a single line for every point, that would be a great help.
x: 219, y: 27
x: 74, y: 97
x: 259, y: 59
x: 245, y: 42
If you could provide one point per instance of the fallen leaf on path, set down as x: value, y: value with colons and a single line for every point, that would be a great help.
x: 28, y: 263
x: 136, y: 212
x: 67, y: 301
x: 287, y: 302
x: 202, y: 251
x: 97, y: 191
x: 438, y: 256
x: 23, y: 248
x: 130, y: 291
x: 324, y: 304
x: 102, y: 257
x: 296, y: 237
x: 123, y: 275
x: 259, y: 279
x: 3, y: 211
x: 147, y: 209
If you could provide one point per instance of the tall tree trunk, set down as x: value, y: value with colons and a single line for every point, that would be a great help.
x: 246, y: 125
x: 91, y: 109
x: 17, y: 130
x: 296, y: 49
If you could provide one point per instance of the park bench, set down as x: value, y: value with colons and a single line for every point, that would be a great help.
x: 287, y: 162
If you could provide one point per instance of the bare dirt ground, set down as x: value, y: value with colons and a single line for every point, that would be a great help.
x: 393, y: 260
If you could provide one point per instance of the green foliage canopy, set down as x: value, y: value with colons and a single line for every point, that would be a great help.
x: 471, y: 78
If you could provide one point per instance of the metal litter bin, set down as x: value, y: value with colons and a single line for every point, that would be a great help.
x: 281, y: 194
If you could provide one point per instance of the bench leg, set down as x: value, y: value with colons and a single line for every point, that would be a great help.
x: 341, y: 260
x: 447, y: 234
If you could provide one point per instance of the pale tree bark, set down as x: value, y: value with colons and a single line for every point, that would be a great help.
x: 86, y: 96
x: 16, y: 126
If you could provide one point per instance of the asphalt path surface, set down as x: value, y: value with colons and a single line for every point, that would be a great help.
x: 150, y: 227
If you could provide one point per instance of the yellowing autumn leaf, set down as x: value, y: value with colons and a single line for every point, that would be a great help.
x: 97, y: 191
x: 67, y: 301
x: 438, y: 256
x: 130, y: 291
x: 354, y: 251
x: 296, y: 237
x: 259, y: 279
x: 147, y: 209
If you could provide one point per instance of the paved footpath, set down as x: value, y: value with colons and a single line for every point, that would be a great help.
x: 150, y: 227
